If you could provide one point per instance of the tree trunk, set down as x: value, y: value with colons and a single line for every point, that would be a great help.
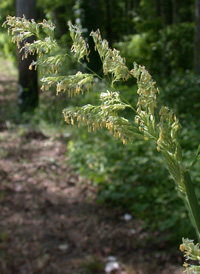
x: 175, y: 11
x: 92, y: 21
x: 197, y: 38
x: 158, y: 8
x: 166, y: 12
x: 108, y: 26
x: 28, y: 86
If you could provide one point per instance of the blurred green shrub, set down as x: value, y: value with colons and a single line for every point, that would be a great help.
x: 7, y: 48
x: 176, y: 41
x: 161, y: 52
x: 130, y: 177
x: 181, y: 92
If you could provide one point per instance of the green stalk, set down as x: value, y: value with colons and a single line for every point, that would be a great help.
x: 192, y: 203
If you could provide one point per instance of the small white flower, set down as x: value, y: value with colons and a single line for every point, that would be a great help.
x: 110, y: 266
x: 127, y: 217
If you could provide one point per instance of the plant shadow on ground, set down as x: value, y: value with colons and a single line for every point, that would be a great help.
x: 50, y: 222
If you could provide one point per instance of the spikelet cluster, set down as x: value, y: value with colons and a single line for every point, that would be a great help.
x: 104, y: 116
x: 50, y: 64
x: 79, y: 47
x: 191, y: 252
x: 169, y: 126
x: 21, y: 28
x: 167, y: 136
x: 40, y: 47
x: 73, y: 83
x: 165, y: 133
x: 169, y: 145
x: 147, y: 96
x: 111, y: 101
x: 112, y: 61
x: 48, y: 27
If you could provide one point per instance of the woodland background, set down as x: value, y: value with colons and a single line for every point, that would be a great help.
x: 165, y: 37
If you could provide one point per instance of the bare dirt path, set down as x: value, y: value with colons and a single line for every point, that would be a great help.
x: 49, y: 221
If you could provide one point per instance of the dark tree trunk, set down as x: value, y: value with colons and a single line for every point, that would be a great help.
x: 109, y: 33
x: 175, y: 11
x: 136, y: 4
x: 166, y: 12
x: 158, y: 8
x: 197, y: 38
x: 28, y: 85
x: 92, y: 21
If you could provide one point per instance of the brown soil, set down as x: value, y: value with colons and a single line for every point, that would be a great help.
x: 49, y: 220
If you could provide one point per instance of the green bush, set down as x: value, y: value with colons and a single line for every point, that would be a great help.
x: 181, y: 92
x: 132, y: 178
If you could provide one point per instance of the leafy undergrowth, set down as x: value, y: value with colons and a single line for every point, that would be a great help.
x: 50, y: 222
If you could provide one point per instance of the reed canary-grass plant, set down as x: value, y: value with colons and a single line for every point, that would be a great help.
x: 161, y: 126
